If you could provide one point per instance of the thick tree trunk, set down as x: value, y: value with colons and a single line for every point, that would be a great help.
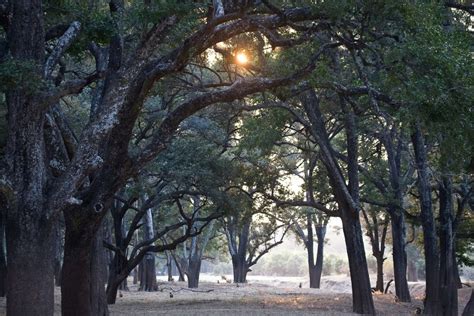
x: 432, y: 300
x: 194, y: 270
x: 448, y: 285
x: 318, y: 268
x: 148, y: 282
x: 82, y: 290
x: 98, y: 276
x: 361, y: 291
x: 30, y: 281
x: 399, y: 256
x: 30, y: 278
x: 240, y: 268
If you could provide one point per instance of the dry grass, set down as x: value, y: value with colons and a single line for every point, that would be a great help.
x: 262, y: 296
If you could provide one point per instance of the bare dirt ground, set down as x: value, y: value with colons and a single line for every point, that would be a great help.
x: 261, y: 296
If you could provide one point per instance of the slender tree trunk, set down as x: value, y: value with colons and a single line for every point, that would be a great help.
x: 135, y: 275
x: 432, y: 300
x: 169, y: 266
x: 412, y: 271
x: 399, y: 256
x: 148, y: 283
x: 3, y: 259
x: 448, y: 286
x: 114, y: 282
x: 310, y: 250
x: 379, y: 283
x: 179, y: 268
x: 318, y: 268
x: 58, y: 245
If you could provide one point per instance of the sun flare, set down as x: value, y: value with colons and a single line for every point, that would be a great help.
x: 241, y: 58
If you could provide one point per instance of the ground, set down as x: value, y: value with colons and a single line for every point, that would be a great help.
x: 261, y: 296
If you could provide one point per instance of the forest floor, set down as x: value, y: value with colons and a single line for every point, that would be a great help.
x: 261, y: 296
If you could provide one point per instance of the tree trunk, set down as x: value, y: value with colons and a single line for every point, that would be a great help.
x: 113, y: 283
x: 179, y: 268
x: 469, y: 309
x: 135, y: 275
x: 448, y: 286
x: 318, y: 268
x: 240, y: 268
x: 379, y: 283
x: 58, y: 245
x: 82, y: 290
x: 399, y: 256
x: 30, y: 282
x: 313, y: 284
x: 432, y: 300
x: 3, y: 259
x: 194, y: 270
x: 98, y: 276
x: 169, y: 266
x: 346, y: 197
x: 148, y: 282
x: 361, y: 291
x: 412, y: 271
x: 30, y: 278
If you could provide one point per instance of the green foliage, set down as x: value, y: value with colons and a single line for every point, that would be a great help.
x: 261, y: 131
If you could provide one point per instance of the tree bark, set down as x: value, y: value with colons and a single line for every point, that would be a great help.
x: 448, y: 284
x: 58, y: 245
x: 432, y: 300
x: 3, y: 259
x: 318, y: 268
x: 346, y: 198
x: 169, y: 266
x: 240, y: 268
x: 82, y: 290
x: 310, y: 250
x: 360, y: 282
x: 194, y: 270
x: 29, y: 257
x: 412, y: 271
x: 399, y: 256
x: 148, y: 282
x: 30, y: 282
x: 469, y: 309
x: 379, y: 283
x: 397, y: 215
